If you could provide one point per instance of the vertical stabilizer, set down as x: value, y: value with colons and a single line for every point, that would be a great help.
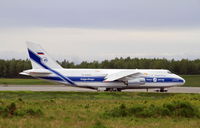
x: 40, y: 58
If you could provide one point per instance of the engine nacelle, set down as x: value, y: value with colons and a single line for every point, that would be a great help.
x: 136, y: 81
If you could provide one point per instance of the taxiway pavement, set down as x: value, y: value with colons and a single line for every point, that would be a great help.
x: 67, y: 88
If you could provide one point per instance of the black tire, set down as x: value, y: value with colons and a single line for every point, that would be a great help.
x: 119, y: 89
x: 162, y: 90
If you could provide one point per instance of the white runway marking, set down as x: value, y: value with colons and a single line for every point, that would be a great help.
x: 66, y: 88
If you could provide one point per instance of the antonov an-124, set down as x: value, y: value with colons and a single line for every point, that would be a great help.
x: 44, y: 67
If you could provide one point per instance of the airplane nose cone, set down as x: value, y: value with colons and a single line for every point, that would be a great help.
x: 182, y: 80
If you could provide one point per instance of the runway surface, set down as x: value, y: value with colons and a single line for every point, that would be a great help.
x: 66, y: 88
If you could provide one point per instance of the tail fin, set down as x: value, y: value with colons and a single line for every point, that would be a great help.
x: 40, y: 58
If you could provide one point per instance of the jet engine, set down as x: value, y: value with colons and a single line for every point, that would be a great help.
x: 136, y: 82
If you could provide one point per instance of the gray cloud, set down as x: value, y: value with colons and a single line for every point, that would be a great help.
x: 101, y: 13
x: 77, y: 44
x: 101, y: 29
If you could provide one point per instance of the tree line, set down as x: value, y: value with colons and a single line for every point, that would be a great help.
x: 12, y: 68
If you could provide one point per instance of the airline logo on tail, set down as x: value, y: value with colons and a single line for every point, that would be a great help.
x: 45, y: 60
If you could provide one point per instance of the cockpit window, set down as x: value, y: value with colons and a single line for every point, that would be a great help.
x: 169, y: 72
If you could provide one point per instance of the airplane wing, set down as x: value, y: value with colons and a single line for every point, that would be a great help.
x: 120, y: 75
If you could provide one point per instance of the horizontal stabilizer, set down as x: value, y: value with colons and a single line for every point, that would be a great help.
x: 35, y: 73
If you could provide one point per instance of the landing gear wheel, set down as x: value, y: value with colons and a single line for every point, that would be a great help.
x: 163, y: 90
x: 113, y: 89
x: 119, y: 90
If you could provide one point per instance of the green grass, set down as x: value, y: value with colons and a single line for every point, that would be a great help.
x: 191, y: 81
x: 6, y: 81
x: 88, y: 110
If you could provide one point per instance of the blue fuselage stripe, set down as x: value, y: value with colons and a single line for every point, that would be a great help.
x: 101, y: 79
x: 77, y: 79
x: 163, y: 80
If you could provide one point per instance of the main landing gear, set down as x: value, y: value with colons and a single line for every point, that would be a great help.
x: 113, y: 89
x: 109, y: 89
x: 162, y: 90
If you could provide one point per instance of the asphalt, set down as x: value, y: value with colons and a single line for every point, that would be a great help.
x: 67, y: 88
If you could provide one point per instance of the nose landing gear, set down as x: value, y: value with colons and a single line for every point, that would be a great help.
x: 162, y: 90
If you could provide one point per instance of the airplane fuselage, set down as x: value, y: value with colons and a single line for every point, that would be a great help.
x: 94, y: 78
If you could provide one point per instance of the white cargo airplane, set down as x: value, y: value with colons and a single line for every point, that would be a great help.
x: 44, y: 67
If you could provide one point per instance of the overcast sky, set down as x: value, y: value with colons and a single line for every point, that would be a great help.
x: 79, y: 30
